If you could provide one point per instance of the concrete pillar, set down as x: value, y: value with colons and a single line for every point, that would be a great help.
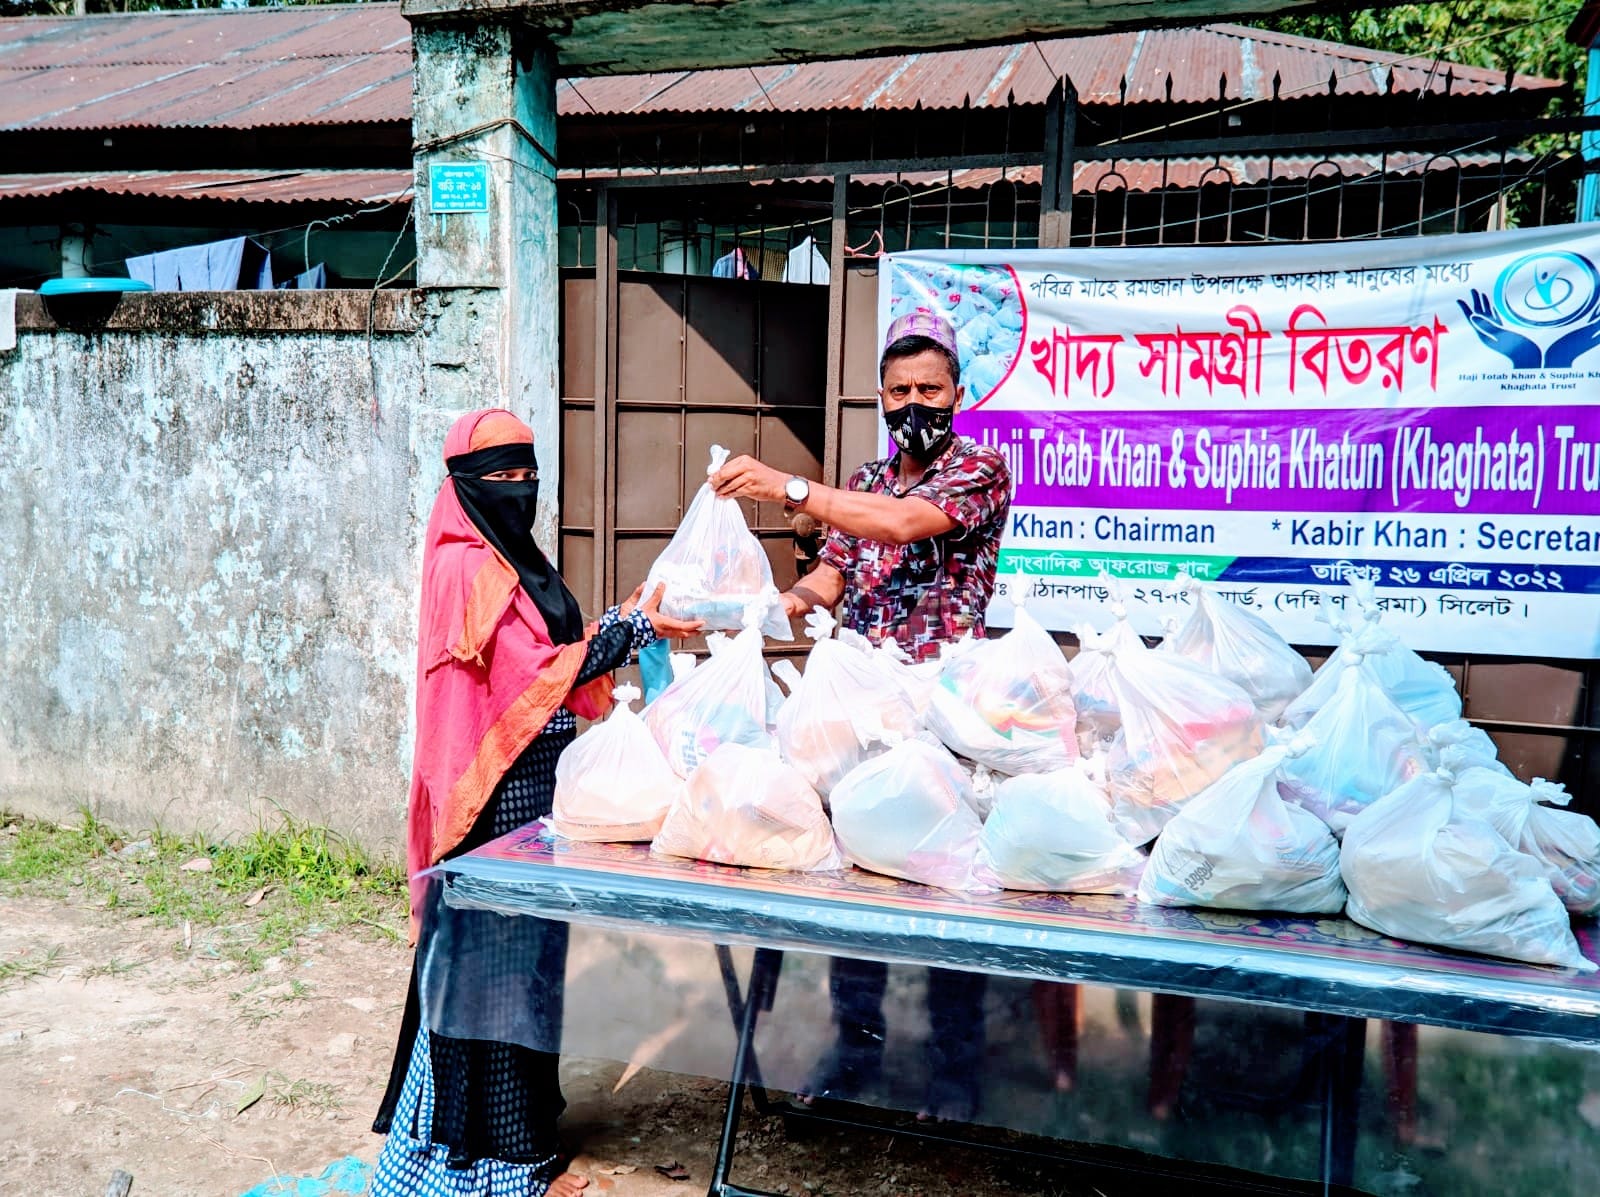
x: 484, y: 97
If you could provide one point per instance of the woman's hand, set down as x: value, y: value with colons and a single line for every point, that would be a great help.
x: 667, y: 628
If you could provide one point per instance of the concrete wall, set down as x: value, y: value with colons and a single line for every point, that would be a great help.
x: 208, y: 559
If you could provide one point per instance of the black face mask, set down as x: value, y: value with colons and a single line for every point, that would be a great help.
x: 920, y: 430
x: 504, y: 512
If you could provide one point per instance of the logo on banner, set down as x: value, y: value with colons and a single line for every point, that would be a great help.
x: 1554, y: 296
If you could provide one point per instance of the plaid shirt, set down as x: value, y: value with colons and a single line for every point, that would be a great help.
x: 933, y: 591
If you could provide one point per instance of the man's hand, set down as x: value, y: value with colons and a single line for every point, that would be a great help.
x: 667, y: 628
x: 746, y: 478
x: 794, y: 605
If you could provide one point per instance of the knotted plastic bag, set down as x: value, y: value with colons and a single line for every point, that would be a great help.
x: 721, y: 701
x: 910, y: 813
x: 1422, y: 689
x: 744, y: 806
x: 1459, y: 745
x: 714, y: 569
x: 1053, y: 832
x: 843, y: 711
x: 1567, y: 842
x: 1092, y: 696
x: 1242, y: 647
x: 1420, y: 867
x: 1239, y: 846
x: 1007, y: 702
x: 1365, y: 747
x: 612, y: 783
x: 1182, y: 728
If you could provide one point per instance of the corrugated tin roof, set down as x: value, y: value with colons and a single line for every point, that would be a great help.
x: 1195, y: 60
x: 332, y: 64
x: 314, y: 65
x: 243, y: 186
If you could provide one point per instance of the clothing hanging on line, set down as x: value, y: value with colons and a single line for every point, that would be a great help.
x: 234, y: 264
x: 735, y: 264
x: 807, y: 265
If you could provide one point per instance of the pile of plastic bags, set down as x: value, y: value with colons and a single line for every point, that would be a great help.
x: 1001, y: 764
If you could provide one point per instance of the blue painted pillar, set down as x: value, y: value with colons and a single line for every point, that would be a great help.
x: 484, y: 129
x: 1589, y: 192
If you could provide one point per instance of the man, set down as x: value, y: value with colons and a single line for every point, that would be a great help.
x: 911, y: 556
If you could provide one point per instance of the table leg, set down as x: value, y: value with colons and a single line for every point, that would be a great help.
x: 758, y: 996
x: 1342, y: 1059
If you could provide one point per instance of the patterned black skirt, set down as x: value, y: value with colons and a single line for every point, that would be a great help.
x: 499, y: 1100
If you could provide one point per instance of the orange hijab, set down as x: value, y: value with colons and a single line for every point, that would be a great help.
x: 488, y: 675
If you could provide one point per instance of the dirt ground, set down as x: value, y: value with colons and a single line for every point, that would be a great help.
x: 130, y: 1049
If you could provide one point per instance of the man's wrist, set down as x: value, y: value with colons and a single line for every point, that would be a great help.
x: 808, y: 596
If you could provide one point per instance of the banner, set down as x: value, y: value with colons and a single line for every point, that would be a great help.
x: 1279, y: 419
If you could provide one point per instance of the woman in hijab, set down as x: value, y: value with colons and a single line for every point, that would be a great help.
x: 505, y: 666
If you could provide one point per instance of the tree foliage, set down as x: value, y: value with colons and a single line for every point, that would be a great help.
x: 1527, y: 36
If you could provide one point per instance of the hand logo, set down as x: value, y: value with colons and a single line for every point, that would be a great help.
x: 1555, y: 289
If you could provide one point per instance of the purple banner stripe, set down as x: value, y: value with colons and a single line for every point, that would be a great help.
x: 1454, y: 461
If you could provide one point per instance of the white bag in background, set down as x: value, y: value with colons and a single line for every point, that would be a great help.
x: 612, y: 783
x: 1567, y: 842
x: 844, y: 710
x: 1365, y: 747
x: 714, y: 569
x: 1007, y: 702
x: 1422, y: 689
x: 1239, y: 846
x: 1092, y: 696
x: 909, y: 813
x: 721, y: 701
x: 916, y: 678
x: 744, y: 806
x: 1419, y: 868
x: 1053, y: 832
x: 1182, y: 728
x: 1459, y: 745
x: 1242, y: 647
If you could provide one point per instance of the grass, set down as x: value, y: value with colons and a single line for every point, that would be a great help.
x: 264, y: 892
x: 17, y: 972
x: 312, y: 1096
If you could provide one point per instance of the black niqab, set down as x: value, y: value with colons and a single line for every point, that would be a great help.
x: 504, y: 513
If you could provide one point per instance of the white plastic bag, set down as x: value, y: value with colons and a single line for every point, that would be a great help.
x: 1182, y: 728
x: 1365, y: 747
x: 721, y: 701
x: 1007, y: 702
x: 909, y: 813
x: 844, y: 710
x: 916, y: 678
x: 714, y: 569
x: 1242, y: 647
x: 744, y: 806
x: 1092, y: 696
x: 1422, y: 689
x: 1239, y: 846
x: 1053, y: 832
x: 1567, y: 842
x: 1459, y: 745
x: 612, y: 783
x: 1419, y: 867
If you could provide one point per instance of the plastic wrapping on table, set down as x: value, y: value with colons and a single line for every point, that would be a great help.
x: 644, y: 988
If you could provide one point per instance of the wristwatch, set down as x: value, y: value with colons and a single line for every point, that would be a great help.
x: 795, y: 493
